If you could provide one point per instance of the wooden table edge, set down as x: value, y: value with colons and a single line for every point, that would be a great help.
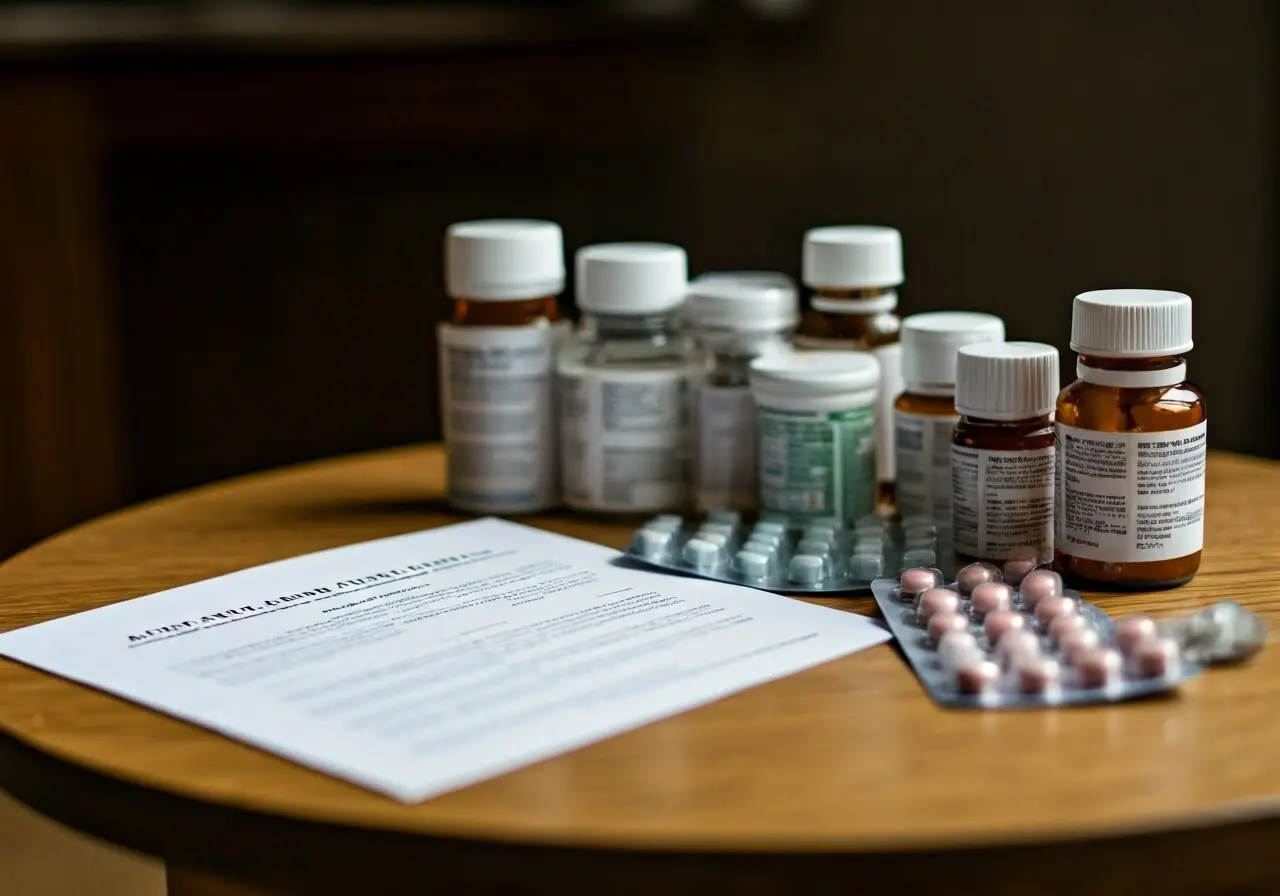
x: 216, y: 838
x: 1244, y: 829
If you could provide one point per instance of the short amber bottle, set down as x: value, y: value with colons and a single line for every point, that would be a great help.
x: 925, y: 413
x: 1002, y: 450
x: 497, y: 364
x: 854, y: 273
x: 1132, y: 436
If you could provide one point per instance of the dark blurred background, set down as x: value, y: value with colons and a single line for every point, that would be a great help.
x: 220, y: 223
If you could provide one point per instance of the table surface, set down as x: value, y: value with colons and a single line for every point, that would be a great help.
x: 847, y: 757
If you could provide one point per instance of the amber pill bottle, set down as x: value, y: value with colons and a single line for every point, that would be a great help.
x: 497, y: 364
x: 925, y: 413
x: 1002, y: 450
x: 854, y: 273
x: 1132, y: 438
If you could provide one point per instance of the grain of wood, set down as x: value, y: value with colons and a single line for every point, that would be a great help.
x: 849, y: 756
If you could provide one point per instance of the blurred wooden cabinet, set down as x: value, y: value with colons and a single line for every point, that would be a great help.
x: 62, y: 456
x: 211, y: 264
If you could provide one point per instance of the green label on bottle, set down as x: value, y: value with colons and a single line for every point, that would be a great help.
x: 818, y: 463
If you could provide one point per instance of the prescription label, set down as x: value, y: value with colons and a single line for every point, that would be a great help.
x: 817, y: 463
x: 625, y: 439
x: 498, y: 415
x: 922, y: 443
x: 1001, y: 500
x: 1128, y: 497
x: 891, y: 386
x: 726, y: 448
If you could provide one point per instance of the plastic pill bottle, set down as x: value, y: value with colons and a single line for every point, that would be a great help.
x: 1002, y: 450
x: 624, y: 383
x: 854, y: 273
x: 497, y: 362
x: 1131, y: 443
x: 737, y: 316
x: 925, y: 413
x: 815, y: 415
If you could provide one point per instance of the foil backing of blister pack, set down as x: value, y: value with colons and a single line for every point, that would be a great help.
x: 903, y: 616
x: 811, y: 556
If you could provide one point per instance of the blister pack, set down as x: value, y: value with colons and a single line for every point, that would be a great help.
x: 816, y: 555
x: 1015, y: 638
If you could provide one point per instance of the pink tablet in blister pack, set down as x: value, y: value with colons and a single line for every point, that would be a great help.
x: 1016, y: 637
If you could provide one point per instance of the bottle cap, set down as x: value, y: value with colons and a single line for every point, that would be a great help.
x: 816, y: 373
x: 503, y: 260
x: 1131, y: 323
x: 743, y: 301
x: 1006, y: 380
x: 631, y: 278
x: 930, y: 342
x: 852, y: 257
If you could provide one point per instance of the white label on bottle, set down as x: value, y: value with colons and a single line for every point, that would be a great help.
x: 624, y: 439
x: 891, y: 386
x: 1131, y: 496
x: 922, y: 445
x: 726, y: 446
x: 498, y: 413
x: 1001, y: 500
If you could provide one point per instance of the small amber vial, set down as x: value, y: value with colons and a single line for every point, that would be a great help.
x: 853, y: 273
x: 1002, y: 450
x: 497, y: 364
x: 1131, y: 442
x: 925, y: 413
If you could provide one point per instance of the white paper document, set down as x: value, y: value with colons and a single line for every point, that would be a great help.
x: 425, y: 662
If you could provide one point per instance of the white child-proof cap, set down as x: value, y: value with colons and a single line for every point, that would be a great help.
x: 852, y: 257
x: 503, y: 260
x: 631, y: 278
x: 743, y: 301
x: 930, y: 342
x: 816, y: 373
x: 1131, y: 323
x: 1006, y: 380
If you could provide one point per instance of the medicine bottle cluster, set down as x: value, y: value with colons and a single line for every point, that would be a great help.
x: 725, y: 394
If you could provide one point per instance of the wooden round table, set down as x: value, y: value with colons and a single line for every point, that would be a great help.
x: 843, y: 778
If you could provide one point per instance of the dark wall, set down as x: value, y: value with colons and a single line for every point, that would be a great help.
x: 279, y: 302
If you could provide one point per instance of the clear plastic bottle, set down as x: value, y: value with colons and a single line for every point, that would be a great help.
x: 925, y: 413
x: 1002, y: 450
x: 854, y: 272
x: 1131, y: 443
x: 497, y: 362
x: 624, y: 383
x: 737, y: 316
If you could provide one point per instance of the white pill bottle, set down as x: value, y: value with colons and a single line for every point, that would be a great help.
x: 816, y: 423
x: 497, y: 363
x: 737, y: 316
x: 624, y: 383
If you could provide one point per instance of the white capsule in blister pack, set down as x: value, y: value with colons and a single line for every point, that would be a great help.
x: 802, y: 555
x: 868, y: 567
x: 753, y: 565
x: 651, y: 542
x: 986, y: 642
x: 806, y: 569
x: 701, y: 554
